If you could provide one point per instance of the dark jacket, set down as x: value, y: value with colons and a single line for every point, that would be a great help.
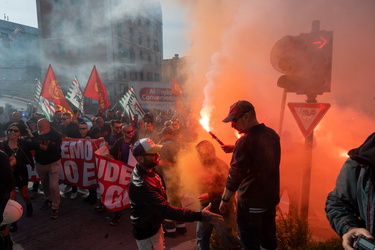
x: 71, y: 130
x: 53, y: 152
x: 352, y: 202
x: 24, y: 155
x: 149, y: 205
x: 7, y: 182
x: 254, y: 168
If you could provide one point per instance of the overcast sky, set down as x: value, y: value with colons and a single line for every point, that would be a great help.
x: 175, y: 42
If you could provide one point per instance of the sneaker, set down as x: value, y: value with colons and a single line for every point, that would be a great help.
x: 73, y: 196
x: 34, y: 195
x: 54, y: 214
x: 100, y: 208
x: 13, y: 227
x: 170, y: 235
x: 116, y: 219
x: 46, y: 204
x: 29, y: 210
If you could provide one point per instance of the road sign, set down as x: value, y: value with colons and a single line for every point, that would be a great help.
x: 308, y: 115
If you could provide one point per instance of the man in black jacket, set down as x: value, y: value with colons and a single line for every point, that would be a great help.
x: 148, y: 200
x: 48, y: 162
x: 254, y: 172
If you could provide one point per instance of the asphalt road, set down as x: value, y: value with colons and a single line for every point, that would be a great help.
x: 80, y: 227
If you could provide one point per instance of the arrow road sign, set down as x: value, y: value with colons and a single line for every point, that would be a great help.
x: 308, y: 115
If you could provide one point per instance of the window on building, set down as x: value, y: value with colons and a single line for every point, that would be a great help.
x: 141, y: 75
x: 139, y: 20
x: 149, y: 76
x: 121, y: 51
x: 148, y: 42
x: 121, y: 73
x: 141, y: 55
x: 132, y: 55
x: 149, y: 59
x: 157, y: 61
x: 156, y: 29
x: 156, y: 77
x: 119, y: 29
x: 156, y: 45
x: 131, y: 34
x: 133, y: 74
x: 140, y: 38
x: 5, y: 40
x: 148, y: 25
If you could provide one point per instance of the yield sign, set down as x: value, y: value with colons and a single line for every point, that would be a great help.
x: 308, y: 115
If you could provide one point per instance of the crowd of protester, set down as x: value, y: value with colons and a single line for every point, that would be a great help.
x: 118, y: 130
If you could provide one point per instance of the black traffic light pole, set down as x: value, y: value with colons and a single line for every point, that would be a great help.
x: 309, y: 140
x: 306, y: 174
x: 306, y: 62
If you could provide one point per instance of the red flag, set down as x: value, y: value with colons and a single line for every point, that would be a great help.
x: 51, y: 90
x: 176, y: 88
x: 95, y: 89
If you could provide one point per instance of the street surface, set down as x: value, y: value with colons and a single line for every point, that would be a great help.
x: 79, y: 226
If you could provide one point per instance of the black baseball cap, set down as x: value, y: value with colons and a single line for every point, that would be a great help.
x: 237, y: 109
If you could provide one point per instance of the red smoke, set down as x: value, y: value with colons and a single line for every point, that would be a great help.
x: 230, y: 50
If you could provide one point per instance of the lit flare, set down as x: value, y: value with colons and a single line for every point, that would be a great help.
x: 205, y: 121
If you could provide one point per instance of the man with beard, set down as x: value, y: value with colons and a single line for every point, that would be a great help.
x: 254, y: 173
x: 148, y: 200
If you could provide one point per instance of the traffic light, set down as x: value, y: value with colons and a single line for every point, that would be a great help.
x: 306, y: 61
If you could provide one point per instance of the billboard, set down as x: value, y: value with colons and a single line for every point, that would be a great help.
x: 154, y: 95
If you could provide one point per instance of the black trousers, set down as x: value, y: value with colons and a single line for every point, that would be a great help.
x: 257, y: 229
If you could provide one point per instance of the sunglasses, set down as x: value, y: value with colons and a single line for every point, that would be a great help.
x: 82, y: 128
x: 13, y: 130
x: 64, y: 119
x: 236, y: 119
x: 117, y: 127
x: 129, y: 132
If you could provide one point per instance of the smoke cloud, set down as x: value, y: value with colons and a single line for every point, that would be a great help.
x: 230, y: 50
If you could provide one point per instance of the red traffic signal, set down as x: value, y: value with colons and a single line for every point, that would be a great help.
x: 306, y: 61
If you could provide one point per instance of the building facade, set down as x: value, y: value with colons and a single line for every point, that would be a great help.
x: 20, y: 59
x: 122, y: 38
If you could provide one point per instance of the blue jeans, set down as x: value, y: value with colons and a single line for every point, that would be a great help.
x: 224, y: 230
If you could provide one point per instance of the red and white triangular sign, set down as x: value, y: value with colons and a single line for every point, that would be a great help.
x: 308, y: 115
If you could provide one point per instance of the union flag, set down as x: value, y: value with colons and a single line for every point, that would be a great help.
x: 51, y: 90
x: 176, y: 88
x: 96, y: 90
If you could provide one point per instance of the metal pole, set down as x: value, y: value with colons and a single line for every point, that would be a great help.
x: 282, y: 111
x: 306, y: 178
